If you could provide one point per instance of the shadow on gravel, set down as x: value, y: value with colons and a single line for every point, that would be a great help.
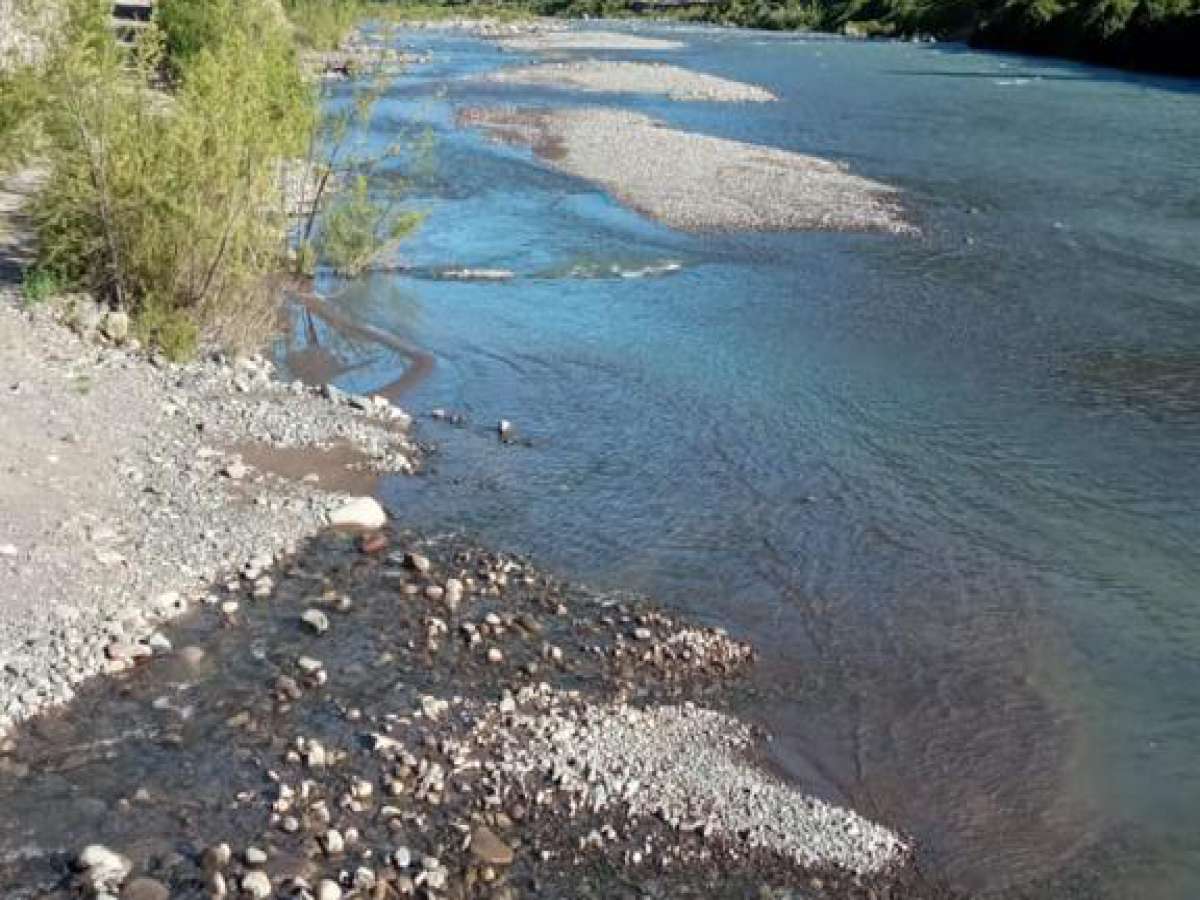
x: 263, y: 730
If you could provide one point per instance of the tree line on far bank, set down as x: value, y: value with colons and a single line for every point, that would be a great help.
x: 1153, y: 35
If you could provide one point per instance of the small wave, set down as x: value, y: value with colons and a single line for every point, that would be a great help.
x: 475, y: 274
x: 1009, y: 82
x: 617, y: 270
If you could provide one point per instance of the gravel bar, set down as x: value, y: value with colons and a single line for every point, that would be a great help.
x: 558, y: 41
x: 604, y: 76
x: 695, y: 182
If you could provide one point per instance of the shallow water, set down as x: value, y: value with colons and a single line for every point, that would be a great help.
x: 948, y: 485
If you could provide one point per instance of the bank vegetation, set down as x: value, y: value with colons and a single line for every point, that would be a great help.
x: 165, y: 194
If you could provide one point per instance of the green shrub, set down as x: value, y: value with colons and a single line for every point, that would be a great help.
x: 38, y: 285
x: 324, y: 24
x: 358, y: 228
x: 169, y: 206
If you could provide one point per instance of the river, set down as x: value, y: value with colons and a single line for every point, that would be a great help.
x: 948, y: 485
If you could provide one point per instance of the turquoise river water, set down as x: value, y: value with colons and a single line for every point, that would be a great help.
x: 950, y: 485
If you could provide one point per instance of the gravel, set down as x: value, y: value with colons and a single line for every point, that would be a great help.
x: 606, y: 76
x: 22, y: 26
x: 686, y: 765
x: 561, y: 40
x: 695, y: 182
x: 124, y: 497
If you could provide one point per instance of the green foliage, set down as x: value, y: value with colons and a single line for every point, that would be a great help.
x: 404, y: 11
x: 1154, y: 34
x: 159, y: 324
x: 324, y: 24
x: 38, y: 285
x: 357, y: 228
x: 353, y: 216
x: 168, y: 206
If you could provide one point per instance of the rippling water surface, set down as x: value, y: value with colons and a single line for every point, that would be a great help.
x: 949, y: 485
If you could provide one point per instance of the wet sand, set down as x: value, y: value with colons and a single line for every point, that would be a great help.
x: 695, y: 182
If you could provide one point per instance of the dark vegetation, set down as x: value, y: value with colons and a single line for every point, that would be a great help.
x: 1155, y: 35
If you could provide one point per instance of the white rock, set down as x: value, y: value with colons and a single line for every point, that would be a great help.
x: 236, y: 470
x: 328, y: 890
x: 103, y: 868
x: 255, y: 856
x: 115, y: 326
x: 333, y: 842
x: 361, y: 512
x: 257, y: 885
x: 316, y: 621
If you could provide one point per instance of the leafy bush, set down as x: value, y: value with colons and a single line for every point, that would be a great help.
x: 323, y: 24
x: 38, y: 285
x: 169, y: 206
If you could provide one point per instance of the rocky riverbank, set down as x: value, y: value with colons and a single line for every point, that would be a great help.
x: 403, y: 716
x: 125, y: 493
x: 696, y: 182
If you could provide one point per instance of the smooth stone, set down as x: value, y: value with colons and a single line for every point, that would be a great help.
x: 333, y: 842
x: 361, y: 512
x: 103, y: 866
x: 329, y: 890
x: 316, y: 621
x: 192, y: 655
x: 257, y: 885
x: 417, y: 561
x: 115, y: 326
x: 255, y: 856
x: 488, y: 848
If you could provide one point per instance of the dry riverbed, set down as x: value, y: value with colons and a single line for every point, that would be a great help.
x: 606, y: 76
x: 696, y: 182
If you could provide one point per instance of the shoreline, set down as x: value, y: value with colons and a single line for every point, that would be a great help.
x: 421, y: 363
x: 586, y: 720
x: 651, y: 671
x: 653, y: 720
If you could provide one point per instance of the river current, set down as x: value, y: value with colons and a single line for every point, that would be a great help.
x: 949, y: 485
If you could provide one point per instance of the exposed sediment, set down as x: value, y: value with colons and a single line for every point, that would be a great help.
x: 557, y: 41
x: 607, y: 76
x: 695, y: 182
x: 398, y: 717
x: 125, y: 492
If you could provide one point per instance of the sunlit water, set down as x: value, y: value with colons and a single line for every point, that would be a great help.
x: 949, y: 485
